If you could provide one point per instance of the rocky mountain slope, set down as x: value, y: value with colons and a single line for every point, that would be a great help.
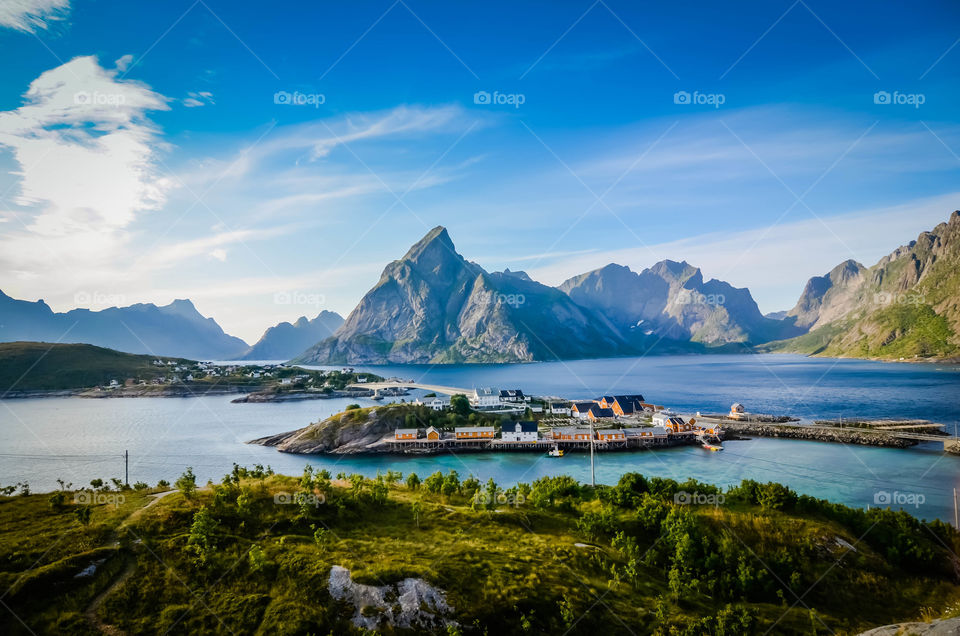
x: 672, y: 300
x: 907, y: 305
x: 434, y: 306
x: 177, y: 329
x: 344, y: 433
x: 285, y: 340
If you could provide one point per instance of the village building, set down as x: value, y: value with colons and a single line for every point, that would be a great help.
x: 611, y: 435
x: 433, y: 433
x: 474, y: 432
x: 581, y: 410
x: 627, y: 404
x: 406, y: 433
x: 598, y: 413
x: 649, y: 431
x: 519, y: 432
x: 571, y: 433
x: 486, y: 397
x: 511, y: 396
x: 737, y: 411
x: 560, y: 408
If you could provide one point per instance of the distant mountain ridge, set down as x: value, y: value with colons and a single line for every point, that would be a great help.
x: 176, y: 330
x: 284, y: 340
x: 907, y: 305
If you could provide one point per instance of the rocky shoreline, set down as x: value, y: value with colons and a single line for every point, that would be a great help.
x: 292, y: 396
x: 815, y: 434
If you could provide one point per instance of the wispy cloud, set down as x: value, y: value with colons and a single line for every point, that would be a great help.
x: 32, y: 15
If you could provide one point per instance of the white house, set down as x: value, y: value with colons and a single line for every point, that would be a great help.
x: 560, y: 408
x: 486, y: 397
x: 286, y: 381
x: 438, y: 404
x: 519, y: 432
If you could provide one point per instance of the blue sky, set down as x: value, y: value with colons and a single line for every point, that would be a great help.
x: 149, y: 151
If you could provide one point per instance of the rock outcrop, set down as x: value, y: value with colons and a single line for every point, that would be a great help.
x: 410, y: 604
x: 349, y: 432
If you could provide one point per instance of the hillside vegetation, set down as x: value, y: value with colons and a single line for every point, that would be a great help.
x: 254, y: 555
x: 49, y: 366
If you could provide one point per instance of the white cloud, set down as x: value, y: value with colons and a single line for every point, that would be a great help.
x: 196, y: 99
x: 219, y: 254
x: 86, y: 152
x: 31, y: 15
x: 123, y: 63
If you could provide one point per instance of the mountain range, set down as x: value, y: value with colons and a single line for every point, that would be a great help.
x: 434, y: 306
x: 286, y: 340
x: 177, y: 329
x: 906, y: 306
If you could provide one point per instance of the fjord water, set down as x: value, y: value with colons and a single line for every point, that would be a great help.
x: 79, y: 439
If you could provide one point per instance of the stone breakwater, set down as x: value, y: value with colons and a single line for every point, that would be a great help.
x: 815, y: 434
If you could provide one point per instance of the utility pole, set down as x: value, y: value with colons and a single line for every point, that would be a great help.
x: 126, y: 467
x: 956, y: 519
x: 593, y: 476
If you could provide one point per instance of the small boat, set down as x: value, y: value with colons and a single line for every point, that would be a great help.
x: 712, y: 447
x: 555, y: 452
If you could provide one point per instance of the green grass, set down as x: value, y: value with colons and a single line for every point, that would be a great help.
x: 605, y: 560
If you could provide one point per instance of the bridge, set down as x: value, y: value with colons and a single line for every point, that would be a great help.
x: 399, y: 384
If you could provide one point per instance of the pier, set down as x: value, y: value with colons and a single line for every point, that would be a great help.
x: 451, y: 445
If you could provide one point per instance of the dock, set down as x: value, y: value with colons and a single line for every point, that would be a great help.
x: 450, y: 445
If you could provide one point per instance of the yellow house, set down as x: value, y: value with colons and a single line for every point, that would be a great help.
x: 610, y: 435
x: 474, y: 432
x: 406, y: 433
x: 433, y: 434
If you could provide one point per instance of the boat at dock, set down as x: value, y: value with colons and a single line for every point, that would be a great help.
x: 555, y: 452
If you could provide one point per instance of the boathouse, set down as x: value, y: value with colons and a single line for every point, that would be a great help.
x: 433, y: 434
x: 406, y: 433
x: 611, y: 435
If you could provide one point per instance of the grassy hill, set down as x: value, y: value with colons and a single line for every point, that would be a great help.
x: 245, y: 557
x: 44, y: 365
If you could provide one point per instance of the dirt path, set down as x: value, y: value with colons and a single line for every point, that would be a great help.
x: 128, y: 570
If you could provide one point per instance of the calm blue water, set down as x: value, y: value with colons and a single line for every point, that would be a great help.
x: 79, y: 440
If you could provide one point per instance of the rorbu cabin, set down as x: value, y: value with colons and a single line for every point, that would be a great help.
x: 433, y: 434
x: 474, y: 432
x: 611, y: 435
x: 406, y: 433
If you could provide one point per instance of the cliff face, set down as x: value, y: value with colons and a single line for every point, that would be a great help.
x: 432, y: 305
x: 905, y: 306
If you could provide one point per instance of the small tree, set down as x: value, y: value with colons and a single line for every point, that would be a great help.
x: 187, y: 483
x: 459, y: 404
x: 413, y: 481
x: 82, y: 514
x: 202, y: 531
